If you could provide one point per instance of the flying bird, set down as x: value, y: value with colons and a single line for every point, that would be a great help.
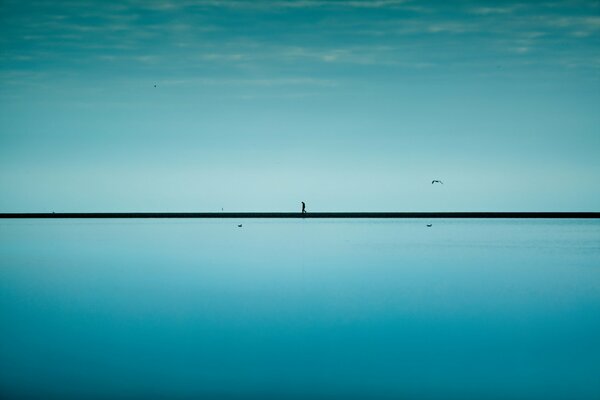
x: 436, y: 181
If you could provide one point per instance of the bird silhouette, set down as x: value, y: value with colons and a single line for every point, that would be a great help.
x: 240, y: 225
x: 436, y: 181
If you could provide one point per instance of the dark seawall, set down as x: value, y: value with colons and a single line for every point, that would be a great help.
x: 307, y: 215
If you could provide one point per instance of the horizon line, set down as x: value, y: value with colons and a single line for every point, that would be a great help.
x: 326, y: 214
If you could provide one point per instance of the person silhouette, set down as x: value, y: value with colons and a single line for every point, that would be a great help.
x: 303, y: 208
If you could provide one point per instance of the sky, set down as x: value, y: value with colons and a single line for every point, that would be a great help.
x: 348, y: 105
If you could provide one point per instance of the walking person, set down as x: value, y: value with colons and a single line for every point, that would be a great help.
x: 303, y: 208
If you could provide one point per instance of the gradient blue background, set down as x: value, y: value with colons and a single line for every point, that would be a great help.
x: 347, y: 105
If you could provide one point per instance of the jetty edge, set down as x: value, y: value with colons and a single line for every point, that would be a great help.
x: 308, y: 215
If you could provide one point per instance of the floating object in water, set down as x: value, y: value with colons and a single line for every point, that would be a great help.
x: 436, y: 181
x: 240, y: 225
x: 429, y: 225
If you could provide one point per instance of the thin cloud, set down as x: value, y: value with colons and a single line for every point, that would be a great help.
x: 270, y: 4
x: 495, y: 10
x: 287, y: 81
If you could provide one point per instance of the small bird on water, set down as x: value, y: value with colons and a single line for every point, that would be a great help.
x: 429, y: 225
x: 240, y: 225
x: 436, y: 181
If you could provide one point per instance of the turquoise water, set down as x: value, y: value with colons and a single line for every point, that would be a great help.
x: 506, y: 309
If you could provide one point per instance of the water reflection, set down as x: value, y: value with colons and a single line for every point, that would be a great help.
x: 384, y: 308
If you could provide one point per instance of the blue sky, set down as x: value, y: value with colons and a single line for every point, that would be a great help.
x: 258, y: 105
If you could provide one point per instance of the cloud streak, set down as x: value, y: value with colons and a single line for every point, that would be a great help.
x: 270, y: 4
x: 272, y: 37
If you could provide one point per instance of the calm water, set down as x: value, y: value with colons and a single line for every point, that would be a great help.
x: 506, y: 309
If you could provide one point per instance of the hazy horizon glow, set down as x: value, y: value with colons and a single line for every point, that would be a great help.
x: 346, y: 105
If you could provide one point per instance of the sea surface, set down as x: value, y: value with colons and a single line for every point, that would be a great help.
x: 390, y: 309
